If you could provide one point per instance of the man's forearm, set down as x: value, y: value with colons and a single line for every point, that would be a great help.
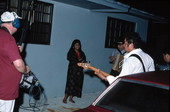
x: 20, y: 66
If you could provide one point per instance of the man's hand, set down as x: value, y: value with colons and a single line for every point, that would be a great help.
x: 27, y: 69
x: 112, y: 58
x: 20, y: 48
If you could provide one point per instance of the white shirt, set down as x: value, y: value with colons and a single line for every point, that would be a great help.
x: 133, y: 65
x: 116, y: 52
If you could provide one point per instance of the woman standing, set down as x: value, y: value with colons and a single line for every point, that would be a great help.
x: 75, y: 75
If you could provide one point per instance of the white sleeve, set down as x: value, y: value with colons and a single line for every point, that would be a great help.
x: 152, y: 67
x: 110, y: 79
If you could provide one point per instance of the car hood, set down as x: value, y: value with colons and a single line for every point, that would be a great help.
x: 92, y: 108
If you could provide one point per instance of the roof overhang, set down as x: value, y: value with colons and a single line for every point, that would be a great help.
x: 111, y: 6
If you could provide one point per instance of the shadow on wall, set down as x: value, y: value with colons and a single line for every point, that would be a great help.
x: 91, y: 74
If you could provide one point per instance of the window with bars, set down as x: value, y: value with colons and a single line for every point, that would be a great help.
x: 116, y: 28
x: 41, y: 19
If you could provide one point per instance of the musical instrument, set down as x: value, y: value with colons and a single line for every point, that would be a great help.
x: 117, y: 65
x: 88, y: 66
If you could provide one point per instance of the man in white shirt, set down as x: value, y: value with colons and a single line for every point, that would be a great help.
x: 132, y: 64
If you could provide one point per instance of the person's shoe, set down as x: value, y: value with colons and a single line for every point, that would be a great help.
x: 72, y: 101
x: 64, y: 101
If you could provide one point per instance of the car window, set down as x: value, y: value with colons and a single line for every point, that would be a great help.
x: 128, y: 96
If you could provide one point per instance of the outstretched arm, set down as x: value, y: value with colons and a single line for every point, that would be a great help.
x: 102, y: 75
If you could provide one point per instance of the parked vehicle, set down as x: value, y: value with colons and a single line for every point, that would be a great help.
x: 142, y: 92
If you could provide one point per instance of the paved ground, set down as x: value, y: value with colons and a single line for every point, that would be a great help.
x: 56, y: 104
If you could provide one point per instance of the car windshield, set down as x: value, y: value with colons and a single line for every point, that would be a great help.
x: 131, y: 96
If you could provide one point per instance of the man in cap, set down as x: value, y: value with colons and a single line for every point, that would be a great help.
x: 12, y: 65
x: 117, y: 57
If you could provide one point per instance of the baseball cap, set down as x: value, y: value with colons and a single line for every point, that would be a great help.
x: 120, y: 41
x: 9, y: 16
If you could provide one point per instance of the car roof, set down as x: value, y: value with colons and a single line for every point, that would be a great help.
x: 155, y: 77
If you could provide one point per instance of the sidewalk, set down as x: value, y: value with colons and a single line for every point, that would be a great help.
x: 56, y: 104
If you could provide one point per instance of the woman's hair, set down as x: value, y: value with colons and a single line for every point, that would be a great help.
x: 134, y: 38
x: 73, y: 43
